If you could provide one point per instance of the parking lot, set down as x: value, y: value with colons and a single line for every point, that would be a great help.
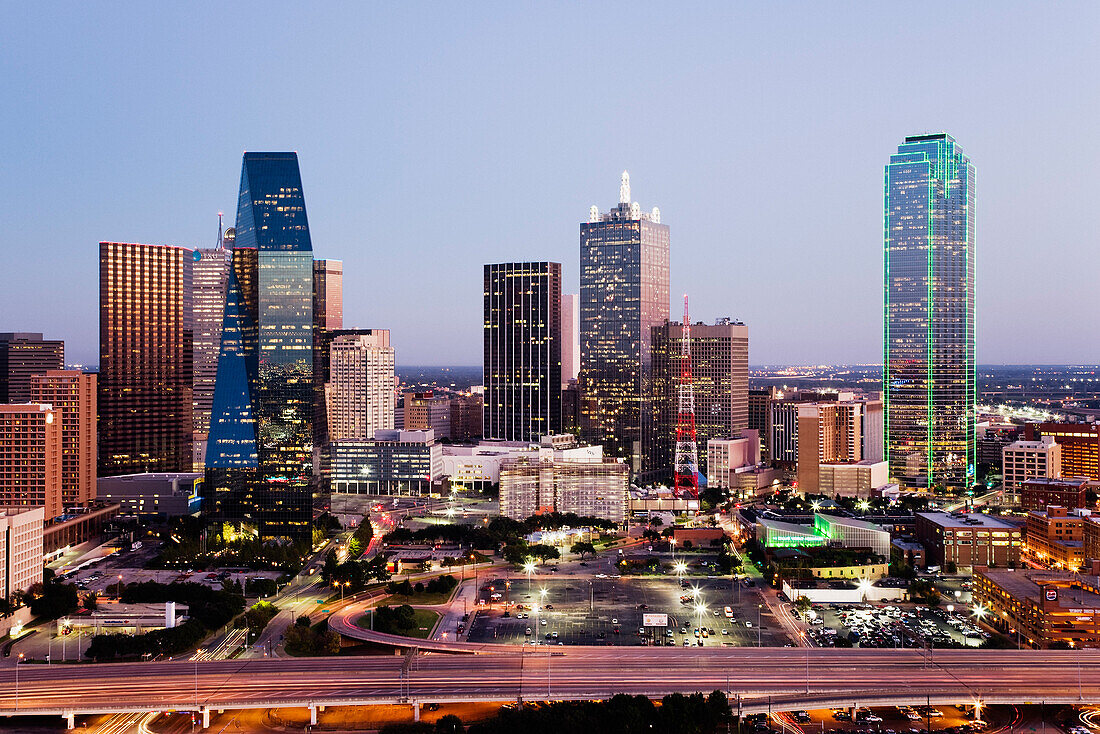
x: 889, y: 720
x: 608, y: 611
x: 902, y: 625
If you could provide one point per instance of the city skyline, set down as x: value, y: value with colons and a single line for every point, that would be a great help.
x: 739, y: 161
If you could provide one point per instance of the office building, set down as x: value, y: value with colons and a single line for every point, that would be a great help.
x: 1040, y: 608
x: 857, y: 479
x: 393, y: 462
x: 828, y: 433
x: 571, y: 408
x: 361, y: 391
x: 425, y: 411
x: 872, y: 428
x: 146, y: 357
x: 760, y: 412
x: 467, y: 417
x: 720, y: 379
x: 624, y: 260
x: 159, y: 495
x: 31, y: 465
x: 1080, y: 443
x: 22, y: 355
x: 570, y: 338
x: 968, y: 539
x: 928, y: 334
x: 73, y: 395
x: 1023, y: 460
x: 531, y: 486
x: 21, y: 559
x: 1056, y: 535
x: 1090, y: 535
x: 328, y: 294
x: 991, y: 440
x: 210, y: 274
x: 479, y: 465
x: 726, y: 455
x: 522, y: 350
x: 259, y: 456
x: 1035, y: 494
x: 827, y: 530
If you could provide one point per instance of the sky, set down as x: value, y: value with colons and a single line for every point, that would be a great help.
x: 437, y: 137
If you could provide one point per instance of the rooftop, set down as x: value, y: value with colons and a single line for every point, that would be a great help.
x: 966, y: 519
x: 1026, y: 584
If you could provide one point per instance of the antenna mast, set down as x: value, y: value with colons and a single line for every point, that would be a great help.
x: 686, y: 478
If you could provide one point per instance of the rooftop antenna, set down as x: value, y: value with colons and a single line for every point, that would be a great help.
x: 624, y: 189
x: 686, y: 474
x: 219, y: 231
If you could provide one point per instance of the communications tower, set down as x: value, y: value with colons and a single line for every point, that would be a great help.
x: 686, y: 479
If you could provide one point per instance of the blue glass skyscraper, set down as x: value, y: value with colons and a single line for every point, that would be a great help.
x: 260, y: 451
x: 928, y: 320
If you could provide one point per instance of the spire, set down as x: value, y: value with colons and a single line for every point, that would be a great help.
x: 624, y: 189
x: 219, y: 245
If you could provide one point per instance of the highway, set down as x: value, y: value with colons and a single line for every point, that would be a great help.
x: 773, y: 675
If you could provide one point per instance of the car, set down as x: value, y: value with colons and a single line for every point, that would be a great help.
x: 549, y: 636
x: 528, y: 631
x: 614, y: 620
x: 725, y: 631
x: 696, y: 633
x: 748, y: 624
x: 687, y: 642
x: 555, y: 635
x: 543, y: 623
x: 549, y: 606
x: 704, y: 633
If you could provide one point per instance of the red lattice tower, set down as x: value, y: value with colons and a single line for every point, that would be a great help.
x: 686, y: 480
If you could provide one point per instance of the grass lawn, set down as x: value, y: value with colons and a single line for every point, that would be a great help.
x: 425, y: 621
x: 421, y: 598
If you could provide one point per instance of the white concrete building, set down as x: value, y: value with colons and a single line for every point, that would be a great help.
x: 1023, y: 460
x: 726, y: 455
x: 21, y: 558
x: 538, y: 483
x: 361, y: 392
x: 480, y: 465
x: 859, y: 479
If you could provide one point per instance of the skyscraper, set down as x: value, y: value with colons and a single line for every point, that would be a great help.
x: 523, y: 344
x: 73, y: 395
x: 210, y: 277
x: 624, y: 258
x: 30, y: 464
x: 361, y: 390
x: 21, y: 356
x: 145, y: 358
x: 928, y: 325
x: 328, y: 294
x: 260, y: 450
x: 570, y: 337
x: 720, y: 373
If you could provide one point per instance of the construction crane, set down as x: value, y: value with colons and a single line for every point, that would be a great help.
x: 686, y: 478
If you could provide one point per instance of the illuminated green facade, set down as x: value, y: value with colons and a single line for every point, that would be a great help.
x: 928, y: 314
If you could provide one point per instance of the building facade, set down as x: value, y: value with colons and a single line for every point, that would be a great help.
x: 1040, y: 607
x: 968, y: 539
x: 31, y: 466
x: 259, y: 455
x: 21, y: 557
x: 522, y: 350
x: 760, y: 415
x: 467, y: 417
x: 1080, y: 443
x: 1036, y: 494
x: 929, y: 316
x: 23, y: 355
x: 858, y: 479
x: 1055, y: 537
x: 530, y: 486
x: 570, y: 337
x: 1024, y: 460
x: 361, y: 391
x: 425, y: 411
x: 624, y: 260
x: 160, y: 495
x: 328, y: 294
x: 726, y: 455
x: 146, y: 353
x: 720, y: 379
x: 828, y: 433
x: 73, y: 395
x: 210, y: 275
x: 393, y: 462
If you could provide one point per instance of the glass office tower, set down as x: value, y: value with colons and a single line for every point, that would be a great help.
x: 624, y: 294
x: 260, y: 450
x: 928, y: 324
x: 522, y: 350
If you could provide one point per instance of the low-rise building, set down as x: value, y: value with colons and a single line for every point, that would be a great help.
x: 479, y: 466
x: 905, y: 551
x: 1041, y: 608
x: 1036, y: 494
x: 968, y: 539
x: 166, y: 494
x: 836, y: 530
x: 393, y: 462
x: 858, y: 479
x: 726, y: 455
x: 1055, y: 536
x: 20, y: 548
x: 533, y: 485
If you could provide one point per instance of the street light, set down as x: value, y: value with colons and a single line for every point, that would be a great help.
x: 119, y: 594
x: 18, y: 660
x: 979, y: 612
x: 529, y: 568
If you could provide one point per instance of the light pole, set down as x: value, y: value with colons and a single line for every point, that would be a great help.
x: 119, y: 593
x: 806, y: 644
x: 758, y: 608
x: 17, y: 661
x: 529, y: 568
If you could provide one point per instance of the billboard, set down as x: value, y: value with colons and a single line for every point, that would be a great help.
x: 655, y: 620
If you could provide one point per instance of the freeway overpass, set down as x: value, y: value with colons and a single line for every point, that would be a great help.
x: 760, y: 678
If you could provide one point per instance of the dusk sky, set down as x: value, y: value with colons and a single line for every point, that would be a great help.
x: 436, y: 137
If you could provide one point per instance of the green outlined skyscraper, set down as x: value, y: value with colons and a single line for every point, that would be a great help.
x: 928, y: 313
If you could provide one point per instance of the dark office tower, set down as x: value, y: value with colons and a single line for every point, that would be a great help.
x: 522, y: 367
x: 928, y: 330
x: 624, y: 294
x: 23, y: 355
x: 720, y: 377
x: 145, y: 358
x: 210, y: 277
x: 260, y: 452
x: 328, y: 294
x: 328, y: 316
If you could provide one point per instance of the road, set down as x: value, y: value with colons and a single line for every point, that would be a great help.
x: 560, y: 673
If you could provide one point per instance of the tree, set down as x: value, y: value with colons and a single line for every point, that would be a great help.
x: 583, y: 548
x: 803, y: 604
x: 656, y: 521
x: 302, y: 621
x: 91, y: 602
x: 449, y: 724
